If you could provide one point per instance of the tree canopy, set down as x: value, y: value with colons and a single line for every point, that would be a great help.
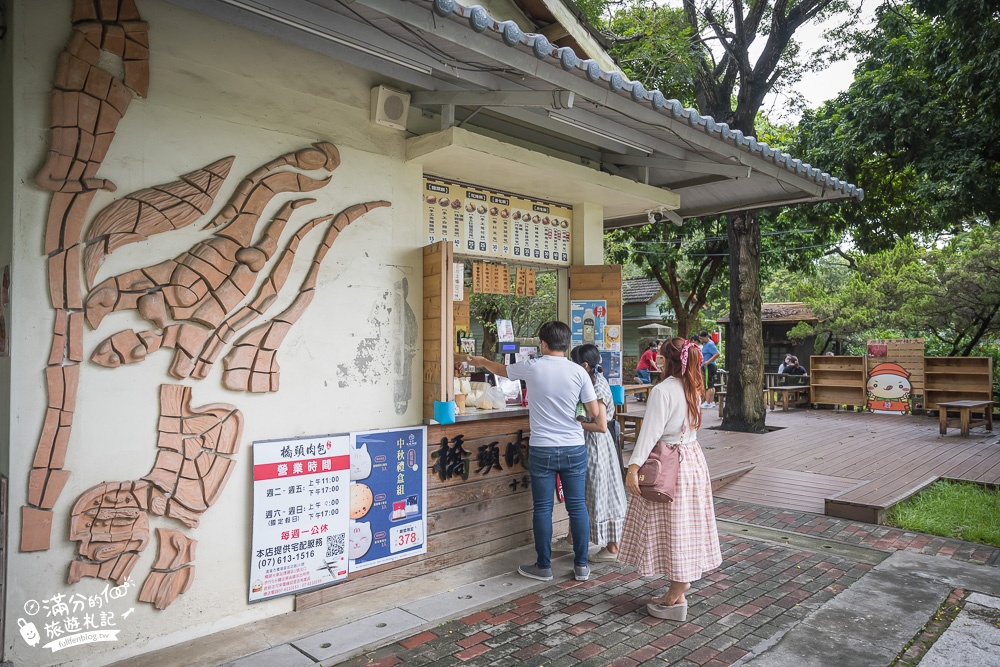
x: 917, y: 129
x: 949, y: 293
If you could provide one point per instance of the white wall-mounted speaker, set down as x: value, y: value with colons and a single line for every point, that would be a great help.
x: 389, y: 107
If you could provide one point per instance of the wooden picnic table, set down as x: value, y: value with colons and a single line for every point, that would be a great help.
x: 632, y: 390
x: 790, y: 396
x: 965, y: 409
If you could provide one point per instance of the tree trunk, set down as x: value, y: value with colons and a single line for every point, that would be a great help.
x: 745, y: 408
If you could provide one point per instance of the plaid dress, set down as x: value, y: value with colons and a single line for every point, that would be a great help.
x: 605, y: 492
x: 679, y: 539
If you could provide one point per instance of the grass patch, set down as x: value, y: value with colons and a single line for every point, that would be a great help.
x: 960, y: 510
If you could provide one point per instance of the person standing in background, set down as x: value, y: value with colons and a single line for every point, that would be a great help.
x: 605, y: 492
x: 647, y: 363
x: 709, y: 352
x: 557, y: 446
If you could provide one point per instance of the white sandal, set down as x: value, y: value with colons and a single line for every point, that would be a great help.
x: 674, y: 612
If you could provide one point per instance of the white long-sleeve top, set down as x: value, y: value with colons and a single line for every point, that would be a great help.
x: 666, y: 418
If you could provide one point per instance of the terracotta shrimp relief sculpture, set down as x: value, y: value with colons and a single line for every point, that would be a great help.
x: 197, y: 304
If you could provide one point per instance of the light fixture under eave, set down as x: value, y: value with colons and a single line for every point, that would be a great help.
x: 572, y: 122
x: 330, y: 37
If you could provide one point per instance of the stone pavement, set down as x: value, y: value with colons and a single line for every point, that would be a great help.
x: 795, y: 590
x: 780, y: 569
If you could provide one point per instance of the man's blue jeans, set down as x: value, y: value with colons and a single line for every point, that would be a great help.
x: 643, y: 376
x: 571, y: 465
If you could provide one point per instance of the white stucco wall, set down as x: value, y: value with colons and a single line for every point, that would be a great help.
x: 215, y: 91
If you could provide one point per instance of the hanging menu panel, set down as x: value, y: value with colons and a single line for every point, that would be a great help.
x: 483, y: 223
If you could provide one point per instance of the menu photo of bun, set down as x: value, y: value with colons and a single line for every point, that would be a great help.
x: 517, y: 215
x: 545, y: 220
x: 456, y: 204
x: 504, y: 213
x: 537, y: 218
x: 565, y: 224
x: 444, y: 201
x: 494, y: 211
x: 431, y: 199
x: 470, y: 207
x: 481, y: 209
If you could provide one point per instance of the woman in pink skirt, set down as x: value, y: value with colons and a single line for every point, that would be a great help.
x: 678, y: 539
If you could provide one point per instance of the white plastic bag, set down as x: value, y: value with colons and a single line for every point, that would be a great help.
x: 493, y: 399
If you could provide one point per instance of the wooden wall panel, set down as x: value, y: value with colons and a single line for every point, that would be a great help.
x: 439, y: 327
x: 592, y: 283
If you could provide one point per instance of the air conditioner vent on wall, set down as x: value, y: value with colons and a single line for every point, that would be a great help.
x: 389, y: 107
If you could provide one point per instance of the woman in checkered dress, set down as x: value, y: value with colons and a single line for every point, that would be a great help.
x: 605, y: 493
x: 678, y: 540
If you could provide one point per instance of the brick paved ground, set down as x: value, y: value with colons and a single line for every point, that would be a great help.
x: 761, y: 589
x: 853, y: 532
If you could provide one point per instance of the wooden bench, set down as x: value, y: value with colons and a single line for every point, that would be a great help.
x: 965, y: 409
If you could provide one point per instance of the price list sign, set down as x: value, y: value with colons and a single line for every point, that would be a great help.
x: 388, y: 496
x: 483, y: 223
x: 301, y: 505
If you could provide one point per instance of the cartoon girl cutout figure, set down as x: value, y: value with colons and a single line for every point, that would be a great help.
x: 889, y: 389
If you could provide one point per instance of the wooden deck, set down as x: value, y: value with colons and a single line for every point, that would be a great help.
x: 863, y: 463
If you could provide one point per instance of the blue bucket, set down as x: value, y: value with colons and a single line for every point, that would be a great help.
x: 444, y: 412
x: 618, y: 394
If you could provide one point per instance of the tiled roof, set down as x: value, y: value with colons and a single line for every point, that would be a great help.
x: 639, y: 290
x: 794, y: 311
x: 479, y: 20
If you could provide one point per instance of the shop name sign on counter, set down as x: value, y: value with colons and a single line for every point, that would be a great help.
x: 483, y: 223
x: 301, y: 506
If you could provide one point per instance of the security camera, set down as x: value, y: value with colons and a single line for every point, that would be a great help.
x: 661, y: 213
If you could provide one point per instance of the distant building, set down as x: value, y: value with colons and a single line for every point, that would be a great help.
x: 778, y: 319
x: 641, y: 299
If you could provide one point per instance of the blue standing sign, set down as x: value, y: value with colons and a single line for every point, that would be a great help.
x: 388, y: 496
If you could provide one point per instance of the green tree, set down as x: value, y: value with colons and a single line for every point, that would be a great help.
x: 947, y: 293
x: 917, y: 128
x: 729, y: 84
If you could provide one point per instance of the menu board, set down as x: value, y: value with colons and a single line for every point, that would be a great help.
x: 300, y: 515
x: 487, y: 224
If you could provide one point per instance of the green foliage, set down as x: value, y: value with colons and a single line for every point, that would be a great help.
x: 917, y: 129
x: 526, y: 313
x: 653, y: 45
x: 948, y: 294
x: 686, y: 261
x: 959, y: 510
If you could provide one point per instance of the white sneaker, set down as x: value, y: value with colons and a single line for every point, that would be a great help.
x: 706, y: 405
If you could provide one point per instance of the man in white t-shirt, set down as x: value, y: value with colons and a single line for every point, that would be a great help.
x: 556, y: 446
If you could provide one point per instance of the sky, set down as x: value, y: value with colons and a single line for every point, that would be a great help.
x: 826, y: 84
x: 816, y: 87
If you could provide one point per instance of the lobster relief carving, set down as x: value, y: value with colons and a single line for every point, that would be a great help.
x: 216, y: 295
